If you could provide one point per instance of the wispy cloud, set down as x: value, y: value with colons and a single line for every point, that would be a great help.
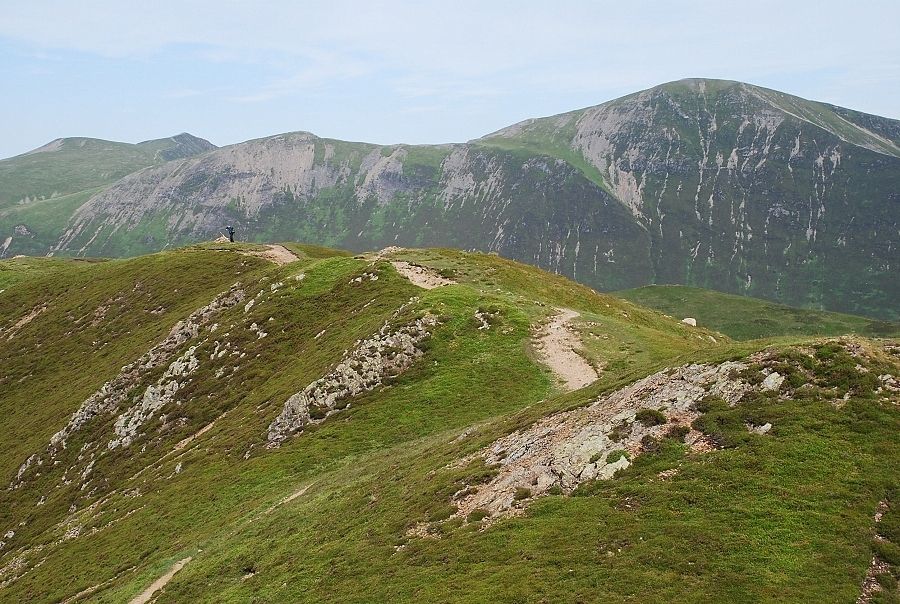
x: 385, y: 67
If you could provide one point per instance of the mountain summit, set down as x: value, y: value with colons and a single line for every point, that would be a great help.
x: 709, y: 183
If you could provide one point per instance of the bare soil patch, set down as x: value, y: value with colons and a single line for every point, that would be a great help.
x: 275, y: 253
x: 556, y: 343
x: 422, y: 276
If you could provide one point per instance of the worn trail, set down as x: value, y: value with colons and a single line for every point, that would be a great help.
x: 424, y: 277
x: 145, y: 595
x: 556, y: 343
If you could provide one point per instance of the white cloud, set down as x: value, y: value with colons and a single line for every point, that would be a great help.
x: 485, y: 64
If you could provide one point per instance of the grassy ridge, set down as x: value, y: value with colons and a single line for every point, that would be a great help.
x: 785, y: 516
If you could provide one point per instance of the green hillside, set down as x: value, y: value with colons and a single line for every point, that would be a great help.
x: 744, y: 318
x: 296, y: 424
x: 70, y: 165
x: 40, y: 190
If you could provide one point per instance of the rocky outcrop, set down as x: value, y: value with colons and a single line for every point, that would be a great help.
x: 155, y: 397
x: 593, y: 442
x: 114, y: 392
x: 387, y: 354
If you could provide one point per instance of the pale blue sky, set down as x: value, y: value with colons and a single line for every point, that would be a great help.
x: 412, y: 72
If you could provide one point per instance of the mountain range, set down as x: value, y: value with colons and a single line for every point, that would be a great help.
x: 709, y: 183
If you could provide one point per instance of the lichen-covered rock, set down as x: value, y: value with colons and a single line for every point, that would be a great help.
x: 773, y: 381
x: 386, y: 354
x: 113, y: 392
x: 566, y: 449
x: 155, y: 397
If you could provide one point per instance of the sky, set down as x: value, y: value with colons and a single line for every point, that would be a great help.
x: 410, y: 72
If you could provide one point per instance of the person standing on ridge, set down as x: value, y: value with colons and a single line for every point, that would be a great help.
x: 230, y: 230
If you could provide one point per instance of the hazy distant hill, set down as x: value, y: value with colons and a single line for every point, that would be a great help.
x: 744, y: 318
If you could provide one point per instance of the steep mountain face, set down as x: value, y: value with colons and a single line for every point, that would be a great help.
x: 747, y: 190
x: 708, y: 183
x: 364, y: 196
x: 287, y: 423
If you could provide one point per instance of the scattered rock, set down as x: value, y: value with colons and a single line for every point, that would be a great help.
x: 260, y: 334
x: 667, y: 474
x: 365, y: 276
x: 568, y: 448
x: 760, y: 429
x: 114, y: 392
x: 877, y: 566
x: 484, y: 320
x: 773, y: 381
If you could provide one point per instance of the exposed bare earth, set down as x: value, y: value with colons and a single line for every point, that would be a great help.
x: 556, y: 343
x: 275, y: 253
x: 289, y: 498
x: 23, y: 321
x: 145, y: 595
x: 422, y: 276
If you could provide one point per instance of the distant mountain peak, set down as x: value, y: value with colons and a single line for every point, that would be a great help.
x: 178, y: 146
x: 705, y: 182
x: 50, y: 147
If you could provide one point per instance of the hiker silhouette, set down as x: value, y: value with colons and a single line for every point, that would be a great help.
x: 230, y: 230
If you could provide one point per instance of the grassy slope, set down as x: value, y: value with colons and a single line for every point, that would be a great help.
x: 26, y: 268
x: 744, y: 318
x: 79, y: 164
x: 792, y: 520
x: 67, y: 355
x: 55, y: 183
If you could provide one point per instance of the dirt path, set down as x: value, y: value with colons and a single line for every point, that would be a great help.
x: 871, y: 586
x: 290, y: 498
x: 424, y: 277
x: 145, y: 595
x: 556, y: 343
x: 275, y: 253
